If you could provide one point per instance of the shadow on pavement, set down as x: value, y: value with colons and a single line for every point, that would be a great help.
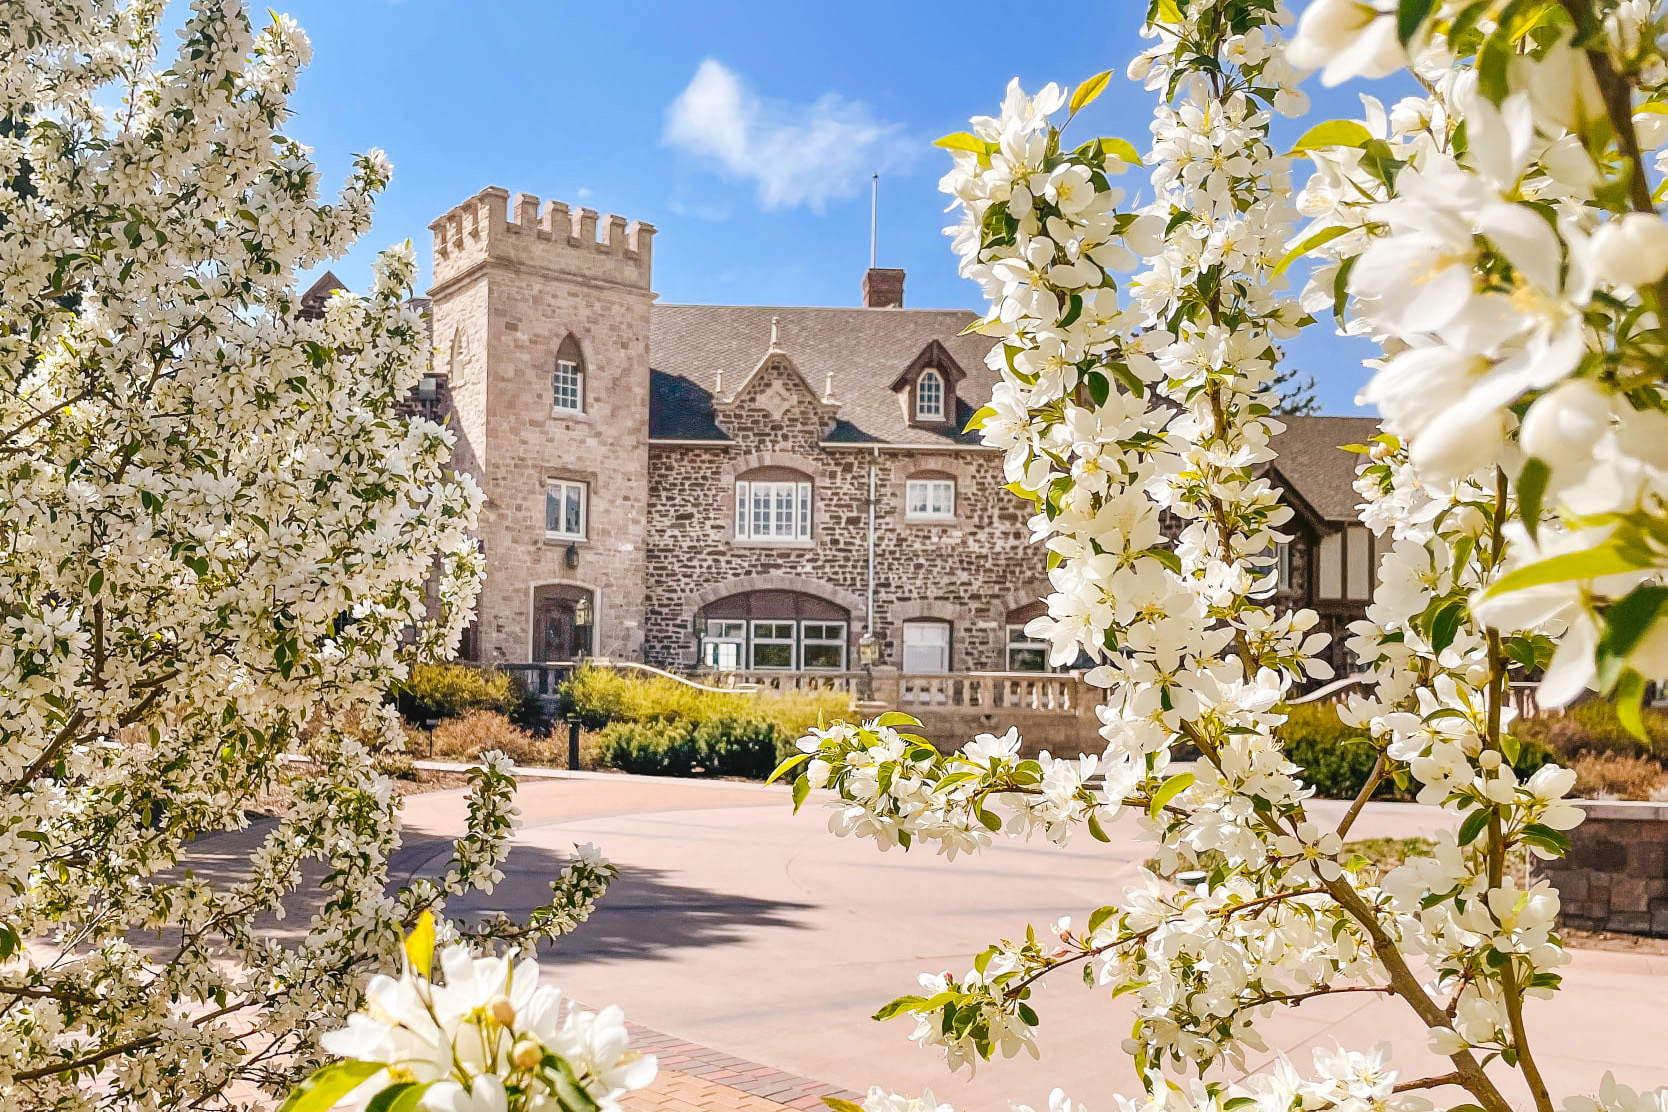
x: 643, y: 916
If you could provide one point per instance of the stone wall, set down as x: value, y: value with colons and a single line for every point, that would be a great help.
x: 972, y: 571
x: 1616, y: 875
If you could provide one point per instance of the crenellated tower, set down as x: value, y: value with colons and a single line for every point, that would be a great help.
x: 541, y: 323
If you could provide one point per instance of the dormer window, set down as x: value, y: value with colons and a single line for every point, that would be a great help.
x: 929, y: 396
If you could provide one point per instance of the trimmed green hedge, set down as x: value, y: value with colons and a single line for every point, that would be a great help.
x: 728, y: 746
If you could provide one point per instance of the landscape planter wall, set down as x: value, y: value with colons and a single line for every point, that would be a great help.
x: 1616, y: 875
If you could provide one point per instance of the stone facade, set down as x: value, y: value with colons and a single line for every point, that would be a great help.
x: 564, y: 380
x: 1616, y: 875
x: 973, y: 571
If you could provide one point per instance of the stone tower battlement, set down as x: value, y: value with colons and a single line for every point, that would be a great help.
x: 557, y: 240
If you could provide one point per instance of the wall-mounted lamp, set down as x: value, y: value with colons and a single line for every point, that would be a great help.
x: 571, y: 557
x: 868, y: 650
x: 699, y: 626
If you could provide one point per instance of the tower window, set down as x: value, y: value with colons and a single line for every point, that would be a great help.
x: 568, y: 386
x: 929, y: 396
x: 567, y: 382
x: 564, y: 510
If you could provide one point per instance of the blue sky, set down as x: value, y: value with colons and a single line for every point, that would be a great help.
x: 746, y: 132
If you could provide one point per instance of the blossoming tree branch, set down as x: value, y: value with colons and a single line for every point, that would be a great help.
x: 218, y: 537
x: 1498, y: 237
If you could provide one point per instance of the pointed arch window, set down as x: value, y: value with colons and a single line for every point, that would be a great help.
x: 929, y: 396
x: 567, y: 382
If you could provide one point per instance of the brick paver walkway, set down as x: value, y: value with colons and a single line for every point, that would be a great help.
x: 695, y: 1079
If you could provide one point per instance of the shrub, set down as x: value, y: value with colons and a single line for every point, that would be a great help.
x: 1592, y: 727
x: 396, y: 766
x: 721, y: 733
x: 648, y: 748
x: 441, y: 691
x: 1608, y: 775
x: 481, y: 731
x: 598, y: 696
x: 739, y: 745
x: 1336, y: 759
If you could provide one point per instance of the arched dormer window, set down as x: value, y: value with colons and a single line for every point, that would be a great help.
x: 567, y: 382
x: 929, y: 396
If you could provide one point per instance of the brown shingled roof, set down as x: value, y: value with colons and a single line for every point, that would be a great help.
x: 1310, y: 456
x: 865, y: 349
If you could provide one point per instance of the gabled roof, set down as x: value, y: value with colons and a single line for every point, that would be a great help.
x: 934, y: 354
x: 865, y: 349
x: 1310, y: 457
x: 318, y: 294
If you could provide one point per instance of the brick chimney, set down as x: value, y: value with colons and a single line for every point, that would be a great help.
x: 883, y: 288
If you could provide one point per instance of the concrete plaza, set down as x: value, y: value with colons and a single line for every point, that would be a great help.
x: 740, y: 927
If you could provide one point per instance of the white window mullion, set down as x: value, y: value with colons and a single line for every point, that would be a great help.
x: 804, y: 511
x: 743, y: 508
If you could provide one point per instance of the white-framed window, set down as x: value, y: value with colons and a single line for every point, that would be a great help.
x: 929, y: 396
x: 823, y: 645
x: 773, y: 645
x: 564, y: 510
x: 926, y: 646
x: 567, y: 386
x: 1025, y: 653
x: 930, y: 498
x: 723, y: 645
x: 773, y: 511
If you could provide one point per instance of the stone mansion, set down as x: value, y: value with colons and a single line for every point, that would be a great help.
x: 756, y: 488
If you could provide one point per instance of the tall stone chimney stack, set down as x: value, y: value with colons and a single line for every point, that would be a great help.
x: 883, y: 288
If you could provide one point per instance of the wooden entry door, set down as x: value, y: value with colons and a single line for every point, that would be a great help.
x: 562, y: 624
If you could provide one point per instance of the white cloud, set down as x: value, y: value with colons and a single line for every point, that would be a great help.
x: 797, y: 153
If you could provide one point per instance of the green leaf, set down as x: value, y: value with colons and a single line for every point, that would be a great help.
x: 977, y: 421
x: 1445, y: 623
x: 1473, y: 825
x: 419, y: 945
x: 801, y: 791
x: 1410, y: 16
x: 1324, y: 236
x: 1099, y: 916
x: 965, y: 141
x: 787, y: 766
x: 1590, y: 563
x: 95, y: 585
x: 1628, y: 619
x: 1100, y: 388
x: 1492, y: 62
x: 1166, y: 557
x: 897, y: 718
x: 1630, y: 695
x: 1121, y: 149
x: 1539, y: 834
x: 329, y: 1085
x: 901, y: 1004
x: 1333, y: 133
x: 1089, y: 90
x: 1531, y: 489
x: 398, y: 1098
x: 1171, y: 788
x: 1096, y: 830
x: 839, y: 1105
